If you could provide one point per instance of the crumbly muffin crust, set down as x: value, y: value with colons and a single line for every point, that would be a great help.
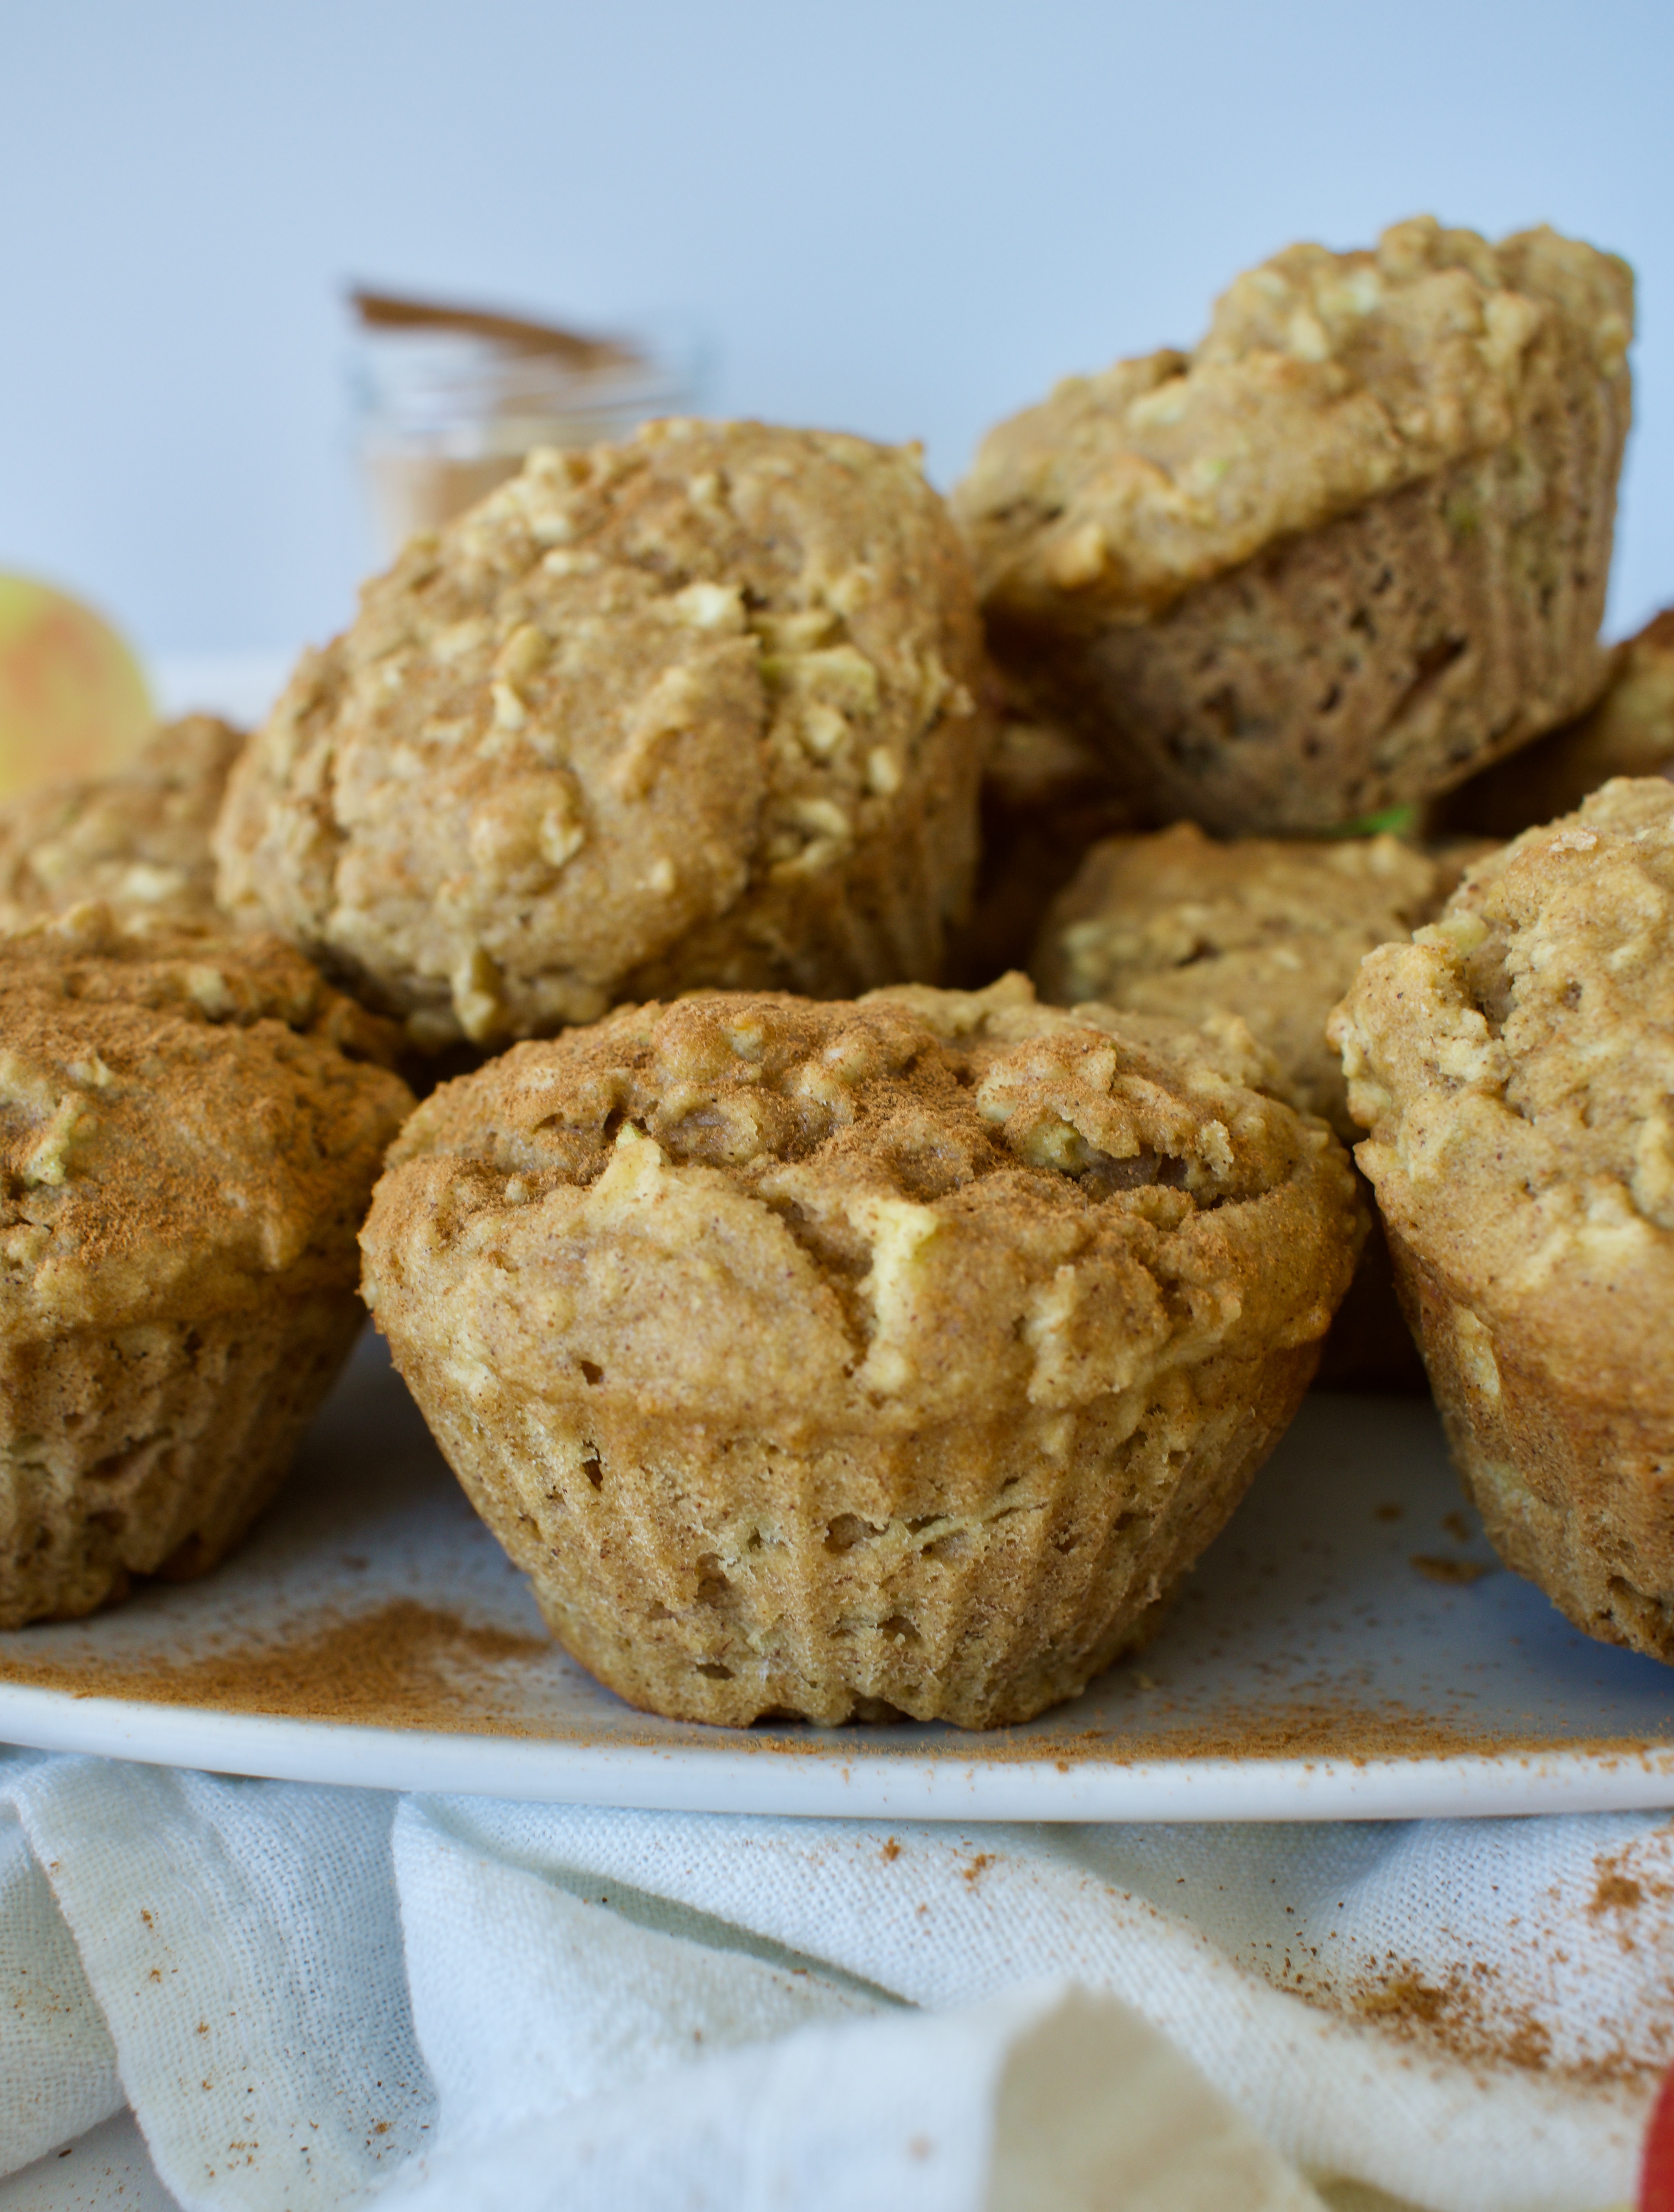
x: 1629, y: 732
x: 139, y: 840
x: 1269, y: 929
x: 186, y: 1148
x: 818, y: 1358
x: 1325, y: 379
x: 1514, y: 1066
x: 1350, y: 548
x: 702, y: 708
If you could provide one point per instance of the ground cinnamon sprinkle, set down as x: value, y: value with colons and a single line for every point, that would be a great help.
x: 1440, y: 1569
x: 1315, y: 1730
x: 1457, y: 2019
x: 404, y: 1665
x: 408, y: 1665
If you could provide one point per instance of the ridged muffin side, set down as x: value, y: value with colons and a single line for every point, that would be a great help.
x: 827, y: 1359
x: 1348, y: 551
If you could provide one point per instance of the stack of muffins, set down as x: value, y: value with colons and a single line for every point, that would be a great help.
x: 820, y: 1341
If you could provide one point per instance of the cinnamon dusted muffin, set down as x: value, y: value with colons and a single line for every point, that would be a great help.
x: 1629, y: 732
x: 138, y: 839
x: 830, y: 1359
x: 1515, y: 1067
x: 1349, y: 550
x: 191, y: 1127
x: 1269, y: 929
x: 698, y: 709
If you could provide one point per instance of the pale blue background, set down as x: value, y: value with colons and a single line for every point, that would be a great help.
x: 904, y: 220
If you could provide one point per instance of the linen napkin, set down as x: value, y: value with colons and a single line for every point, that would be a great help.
x: 314, y: 1998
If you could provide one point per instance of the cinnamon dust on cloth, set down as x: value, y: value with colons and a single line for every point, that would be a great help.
x: 314, y: 1998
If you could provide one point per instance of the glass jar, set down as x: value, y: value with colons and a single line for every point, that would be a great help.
x: 450, y: 400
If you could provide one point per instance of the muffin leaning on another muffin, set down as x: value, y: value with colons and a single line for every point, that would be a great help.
x: 139, y: 839
x: 1515, y: 1067
x: 1351, y: 548
x: 827, y: 1359
x: 191, y: 1125
x: 698, y: 709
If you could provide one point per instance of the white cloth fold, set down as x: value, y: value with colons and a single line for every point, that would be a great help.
x: 312, y: 1998
x: 1045, y: 2099
x: 241, y: 1945
x: 937, y: 1919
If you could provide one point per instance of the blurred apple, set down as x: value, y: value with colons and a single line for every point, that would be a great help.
x: 73, y: 701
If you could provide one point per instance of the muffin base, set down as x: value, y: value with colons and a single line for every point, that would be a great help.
x: 1377, y: 660
x: 150, y: 1449
x: 1574, y: 1493
x: 972, y: 1573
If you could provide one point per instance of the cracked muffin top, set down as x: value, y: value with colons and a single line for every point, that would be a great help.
x: 910, y: 1206
x: 139, y: 840
x: 1271, y: 929
x: 248, y: 1089
x: 1325, y: 379
x: 1515, y: 1067
x: 630, y: 726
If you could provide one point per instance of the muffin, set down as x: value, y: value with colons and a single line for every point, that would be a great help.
x: 858, y: 1359
x: 191, y: 1128
x: 1515, y: 1067
x: 139, y: 840
x: 699, y: 709
x: 1629, y: 732
x: 1046, y: 797
x: 1348, y: 551
x: 1271, y: 930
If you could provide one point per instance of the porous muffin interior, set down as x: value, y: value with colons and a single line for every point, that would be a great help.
x: 1270, y: 929
x: 702, y: 708
x: 810, y: 1356
x: 1325, y: 380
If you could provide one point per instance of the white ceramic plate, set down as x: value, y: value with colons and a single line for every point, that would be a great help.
x: 1347, y: 1649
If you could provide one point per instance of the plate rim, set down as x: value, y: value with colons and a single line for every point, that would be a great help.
x: 942, y: 1787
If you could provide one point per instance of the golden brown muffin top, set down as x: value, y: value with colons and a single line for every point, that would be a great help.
x: 1325, y: 379
x: 1270, y: 929
x: 139, y: 840
x: 908, y: 1206
x: 182, y: 1117
x: 1515, y: 1067
x: 637, y: 686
